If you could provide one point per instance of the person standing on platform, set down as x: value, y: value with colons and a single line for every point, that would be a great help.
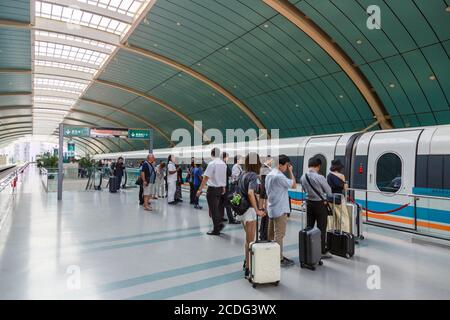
x: 148, y: 176
x: 228, y: 210
x: 190, y: 179
x: 278, y: 207
x: 178, y: 193
x: 198, y: 177
x: 236, y: 171
x: 336, y: 180
x: 171, y: 177
x: 215, y: 176
x: 160, y: 181
x: 266, y: 167
x: 141, y: 185
x: 316, y: 208
x: 119, y: 169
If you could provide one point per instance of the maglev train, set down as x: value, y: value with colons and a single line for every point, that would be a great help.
x: 401, y: 176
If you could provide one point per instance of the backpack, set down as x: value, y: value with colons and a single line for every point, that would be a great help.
x: 239, y: 198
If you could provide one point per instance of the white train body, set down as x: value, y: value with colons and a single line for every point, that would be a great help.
x: 384, y: 167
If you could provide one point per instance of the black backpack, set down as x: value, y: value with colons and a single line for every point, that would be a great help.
x: 238, y: 199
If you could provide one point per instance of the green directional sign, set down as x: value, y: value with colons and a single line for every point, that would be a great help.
x: 138, y: 134
x: 76, y: 132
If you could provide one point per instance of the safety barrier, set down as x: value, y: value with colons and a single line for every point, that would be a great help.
x: 12, y: 178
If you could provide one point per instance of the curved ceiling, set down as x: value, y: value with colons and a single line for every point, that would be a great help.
x: 305, y: 67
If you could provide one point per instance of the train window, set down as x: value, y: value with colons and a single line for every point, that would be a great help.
x: 323, y: 167
x: 389, y: 173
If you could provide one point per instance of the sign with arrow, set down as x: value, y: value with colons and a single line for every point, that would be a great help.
x: 77, y: 132
x: 138, y: 134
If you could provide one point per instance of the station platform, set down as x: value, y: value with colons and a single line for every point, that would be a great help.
x: 120, y: 251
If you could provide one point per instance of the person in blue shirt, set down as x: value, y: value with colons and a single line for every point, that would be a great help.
x: 197, y: 174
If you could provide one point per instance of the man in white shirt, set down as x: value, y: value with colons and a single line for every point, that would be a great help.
x: 216, y: 177
x: 171, y: 179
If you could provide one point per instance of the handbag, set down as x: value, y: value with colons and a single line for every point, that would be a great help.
x: 329, y: 210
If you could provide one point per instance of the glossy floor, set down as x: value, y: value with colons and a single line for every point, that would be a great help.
x: 97, y: 245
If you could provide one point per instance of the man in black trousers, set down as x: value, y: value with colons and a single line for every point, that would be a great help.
x: 216, y: 178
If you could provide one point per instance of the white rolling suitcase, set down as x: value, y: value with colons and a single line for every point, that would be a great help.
x: 354, y: 211
x: 264, y: 261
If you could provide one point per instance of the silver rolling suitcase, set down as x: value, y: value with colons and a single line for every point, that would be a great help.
x: 264, y: 261
x: 354, y: 211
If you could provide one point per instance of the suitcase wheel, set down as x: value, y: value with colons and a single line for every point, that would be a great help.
x: 313, y: 268
x: 347, y: 256
x: 320, y: 262
x: 361, y: 237
x: 276, y: 283
x: 302, y: 265
x: 254, y: 286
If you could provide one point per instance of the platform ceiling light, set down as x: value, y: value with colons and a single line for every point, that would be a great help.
x: 432, y: 77
x: 309, y: 59
x: 359, y: 41
x: 266, y: 25
x: 266, y: 75
x: 392, y: 85
x: 178, y: 23
x: 226, y: 48
x: 341, y: 96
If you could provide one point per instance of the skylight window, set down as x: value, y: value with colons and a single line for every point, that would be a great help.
x: 128, y: 7
x: 61, y: 51
x: 66, y: 66
x: 94, y: 43
x: 79, y: 17
x: 47, y: 99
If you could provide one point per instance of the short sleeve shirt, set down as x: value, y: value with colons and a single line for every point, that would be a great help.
x: 171, y: 177
x: 277, y: 188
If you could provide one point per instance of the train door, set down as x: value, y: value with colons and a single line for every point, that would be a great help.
x: 391, y: 174
x: 323, y: 148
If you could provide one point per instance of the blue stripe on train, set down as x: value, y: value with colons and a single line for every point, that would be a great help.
x: 428, y: 214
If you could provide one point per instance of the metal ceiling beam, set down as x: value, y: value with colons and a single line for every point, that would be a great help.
x: 130, y: 114
x: 14, y: 128
x: 305, y: 24
x: 15, y: 123
x: 214, y: 85
x: 154, y: 100
x: 16, y: 116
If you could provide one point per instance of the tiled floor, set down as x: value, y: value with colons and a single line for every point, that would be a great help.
x: 112, y: 249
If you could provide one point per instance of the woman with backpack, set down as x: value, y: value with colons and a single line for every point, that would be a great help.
x: 248, y: 186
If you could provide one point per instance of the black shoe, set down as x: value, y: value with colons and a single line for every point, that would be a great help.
x: 224, y: 219
x: 173, y: 202
x: 178, y: 200
x: 287, y: 262
x: 244, y: 265
x: 234, y: 222
x: 213, y: 233
x: 222, y: 225
x: 247, y: 273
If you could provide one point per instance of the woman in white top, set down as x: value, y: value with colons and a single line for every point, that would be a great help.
x: 236, y: 171
x: 160, y: 183
x: 171, y: 179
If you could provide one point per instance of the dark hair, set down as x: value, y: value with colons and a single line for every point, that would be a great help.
x: 314, y: 162
x: 236, y: 158
x: 252, y: 163
x: 215, y: 152
x: 162, y: 164
x: 224, y: 155
x: 336, y: 165
x: 283, y: 159
x: 169, y: 158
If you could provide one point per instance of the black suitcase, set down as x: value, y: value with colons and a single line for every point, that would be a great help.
x: 340, y: 243
x: 310, y: 248
x: 113, y: 184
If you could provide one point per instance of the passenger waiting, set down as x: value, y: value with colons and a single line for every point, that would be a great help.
x: 317, y: 189
x: 160, y: 183
x: 266, y: 167
x: 227, y: 206
x: 197, y: 173
x: 249, y: 183
x: 141, y: 186
x: 236, y: 170
x: 148, y: 176
x: 340, y: 220
x: 278, y: 206
x: 215, y: 176
x: 171, y: 177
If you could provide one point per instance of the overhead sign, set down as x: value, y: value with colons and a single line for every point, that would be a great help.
x: 138, y: 134
x: 109, y: 133
x: 71, y: 149
x: 76, y: 132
